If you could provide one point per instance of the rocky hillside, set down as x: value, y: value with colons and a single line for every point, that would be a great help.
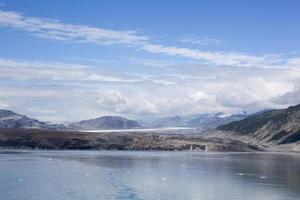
x: 277, y: 126
x: 44, y: 139
x: 104, y: 123
x: 10, y: 119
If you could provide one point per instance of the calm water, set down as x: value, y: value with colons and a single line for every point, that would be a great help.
x: 92, y: 175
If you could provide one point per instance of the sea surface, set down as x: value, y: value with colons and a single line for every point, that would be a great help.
x: 105, y: 175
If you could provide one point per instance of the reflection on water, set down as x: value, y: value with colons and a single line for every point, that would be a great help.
x: 55, y: 175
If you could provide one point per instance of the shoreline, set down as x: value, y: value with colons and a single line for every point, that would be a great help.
x: 34, y: 139
x: 43, y: 139
x: 21, y: 150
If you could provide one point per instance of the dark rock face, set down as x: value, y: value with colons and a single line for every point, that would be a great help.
x: 44, y: 139
x: 9, y: 119
x: 106, y: 122
x: 279, y: 126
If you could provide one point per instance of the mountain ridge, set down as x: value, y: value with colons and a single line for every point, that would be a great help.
x: 202, y: 121
x: 172, y: 121
x: 10, y: 119
x: 105, y: 122
x: 281, y: 126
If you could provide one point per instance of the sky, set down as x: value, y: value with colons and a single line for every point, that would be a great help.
x: 68, y: 60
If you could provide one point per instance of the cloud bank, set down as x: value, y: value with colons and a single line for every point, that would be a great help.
x: 92, y: 92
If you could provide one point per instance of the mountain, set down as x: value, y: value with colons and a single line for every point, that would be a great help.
x: 10, y: 119
x: 278, y: 126
x: 105, y: 122
x: 203, y: 121
x: 209, y: 121
x: 174, y: 121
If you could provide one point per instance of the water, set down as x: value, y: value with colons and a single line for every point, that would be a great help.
x: 97, y: 175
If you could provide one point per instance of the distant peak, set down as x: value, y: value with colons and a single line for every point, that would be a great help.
x: 5, y: 113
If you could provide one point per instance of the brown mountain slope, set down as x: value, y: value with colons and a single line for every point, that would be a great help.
x: 277, y: 126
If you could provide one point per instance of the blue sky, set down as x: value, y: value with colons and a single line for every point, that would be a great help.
x: 70, y: 60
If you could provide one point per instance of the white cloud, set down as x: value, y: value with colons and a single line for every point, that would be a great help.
x: 28, y: 70
x: 289, y: 98
x: 113, y: 100
x: 38, y: 64
x: 231, y: 91
x: 200, y: 95
x: 19, y: 92
x: 53, y: 29
x: 162, y: 81
x: 216, y: 58
x: 186, y: 89
x: 149, y: 62
x: 57, y: 71
x: 201, y: 40
x: 293, y: 63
